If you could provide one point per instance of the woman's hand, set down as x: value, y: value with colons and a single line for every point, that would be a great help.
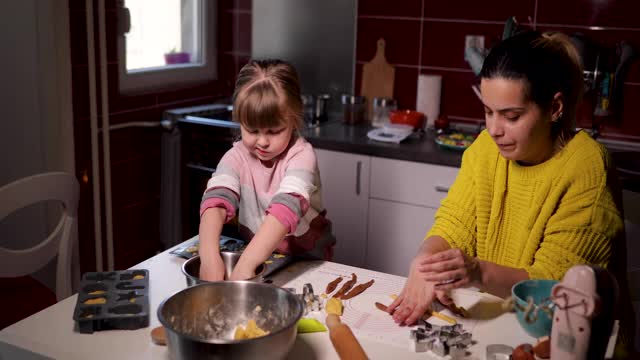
x: 416, y: 296
x: 450, y: 269
x: 212, y: 269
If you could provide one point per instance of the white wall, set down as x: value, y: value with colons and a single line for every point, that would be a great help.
x: 36, y: 126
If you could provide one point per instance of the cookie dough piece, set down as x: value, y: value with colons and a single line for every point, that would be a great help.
x: 251, y: 331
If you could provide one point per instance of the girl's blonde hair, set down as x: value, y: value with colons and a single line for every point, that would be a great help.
x: 267, y: 94
x: 548, y: 63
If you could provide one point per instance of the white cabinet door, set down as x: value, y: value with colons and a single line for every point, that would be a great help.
x: 396, y: 231
x: 345, y: 194
x: 410, y: 182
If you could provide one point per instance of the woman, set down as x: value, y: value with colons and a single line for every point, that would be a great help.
x: 533, y: 196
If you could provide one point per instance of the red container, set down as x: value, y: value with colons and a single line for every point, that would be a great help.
x: 408, y: 117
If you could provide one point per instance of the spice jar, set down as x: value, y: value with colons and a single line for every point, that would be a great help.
x: 354, y: 108
x: 381, y: 109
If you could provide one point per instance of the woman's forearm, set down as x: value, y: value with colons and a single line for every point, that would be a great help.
x: 433, y: 244
x: 498, y: 279
x: 490, y: 277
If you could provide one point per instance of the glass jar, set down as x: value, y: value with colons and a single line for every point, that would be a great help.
x: 308, y: 102
x: 354, y: 109
x: 381, y: 109
x: 315, y: 109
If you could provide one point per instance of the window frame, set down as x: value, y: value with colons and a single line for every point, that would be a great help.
x: 174, y: 75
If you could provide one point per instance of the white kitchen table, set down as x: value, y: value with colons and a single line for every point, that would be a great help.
x: 50, y: 333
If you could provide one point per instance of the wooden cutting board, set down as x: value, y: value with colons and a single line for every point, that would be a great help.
x: 377, y: 77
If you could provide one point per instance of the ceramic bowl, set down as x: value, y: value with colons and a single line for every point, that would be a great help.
x: 537, y: 322
x: 407, y: 117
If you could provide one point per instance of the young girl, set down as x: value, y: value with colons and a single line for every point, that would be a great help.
x: 533, y: 196
x: 270, y: 176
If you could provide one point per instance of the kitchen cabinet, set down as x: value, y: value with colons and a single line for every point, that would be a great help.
x: 404, y: 198
x: 345, y: 195
x: 380, y: 208
x: 631, y: 205
x: 395, y: 233
x: 410, y: 182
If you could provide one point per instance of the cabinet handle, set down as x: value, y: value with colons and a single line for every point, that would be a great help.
x: 358, y: 171
x: 440, y: 188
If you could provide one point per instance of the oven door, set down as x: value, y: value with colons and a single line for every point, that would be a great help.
x: 202, y: 148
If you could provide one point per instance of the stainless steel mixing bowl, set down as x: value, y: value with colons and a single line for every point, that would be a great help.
x: 191, y: 268
x: 200, y: 320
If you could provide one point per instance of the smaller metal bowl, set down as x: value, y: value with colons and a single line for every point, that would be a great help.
x: 191, y: 268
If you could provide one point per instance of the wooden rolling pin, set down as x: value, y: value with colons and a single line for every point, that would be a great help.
x: 345, y: 343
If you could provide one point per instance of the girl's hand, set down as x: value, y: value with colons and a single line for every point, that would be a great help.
x: 241, y: 272
x: 416, y: 296
x: 246, y: 266
x: 212, y: 269
x: 450, y: 269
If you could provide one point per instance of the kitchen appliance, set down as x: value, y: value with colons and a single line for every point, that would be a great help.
x: 584, y: 317
x: 200, y: 136
x: 317, y: 37
x: 200, y: 321
x: 393, y: 133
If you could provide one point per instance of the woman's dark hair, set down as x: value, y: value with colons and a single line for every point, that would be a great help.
x: 548, y: 63
x: 267, y: 94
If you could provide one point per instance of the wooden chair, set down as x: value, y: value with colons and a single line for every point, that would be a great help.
x: 20, y: 289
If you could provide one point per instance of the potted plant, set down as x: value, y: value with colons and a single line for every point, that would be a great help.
x: 177, y: 57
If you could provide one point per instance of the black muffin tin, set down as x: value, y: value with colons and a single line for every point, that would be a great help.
x: 113, y: 300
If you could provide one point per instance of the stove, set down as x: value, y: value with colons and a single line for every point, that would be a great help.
x: 206, y: 133
x: 218, y: 115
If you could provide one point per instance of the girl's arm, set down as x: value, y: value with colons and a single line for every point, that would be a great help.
x: 266, y: 240
x: 211, y: 264
x: 287, y: 206
x: 219, y: 203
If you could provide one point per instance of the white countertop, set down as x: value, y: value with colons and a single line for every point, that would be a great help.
x: 50, y: 333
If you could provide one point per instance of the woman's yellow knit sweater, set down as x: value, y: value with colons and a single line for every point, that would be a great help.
x: 543, y: 218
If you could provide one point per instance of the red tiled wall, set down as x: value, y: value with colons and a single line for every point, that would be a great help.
x: 427, y: 37
x: 135, y: 152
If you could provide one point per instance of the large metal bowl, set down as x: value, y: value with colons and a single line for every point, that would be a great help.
x: 200, y: 320
x: 191, y: 268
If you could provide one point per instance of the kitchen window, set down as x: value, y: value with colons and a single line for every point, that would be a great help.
x: 165, y: 43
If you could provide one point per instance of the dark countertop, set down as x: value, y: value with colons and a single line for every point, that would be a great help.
x: 337, y: 136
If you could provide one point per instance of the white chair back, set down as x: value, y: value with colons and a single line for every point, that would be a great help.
x: 52, y: 186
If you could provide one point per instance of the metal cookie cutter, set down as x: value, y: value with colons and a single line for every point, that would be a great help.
x: 311, y: 301
x: 499, y: 352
